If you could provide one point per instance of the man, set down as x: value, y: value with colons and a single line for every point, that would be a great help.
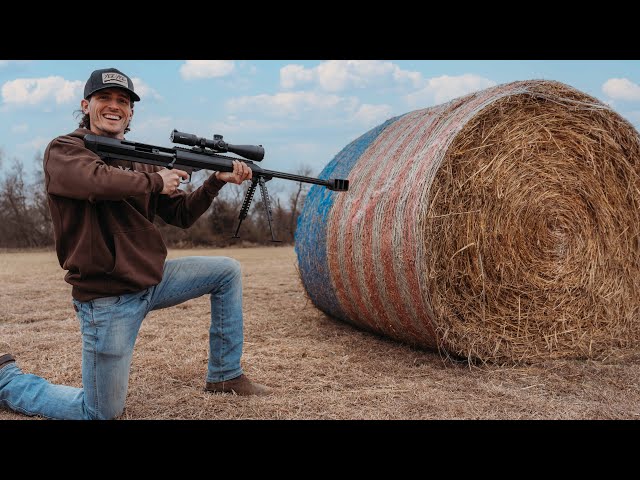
x: 102, y: 215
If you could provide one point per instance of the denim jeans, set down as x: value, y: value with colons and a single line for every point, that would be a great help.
x: 109, y: 328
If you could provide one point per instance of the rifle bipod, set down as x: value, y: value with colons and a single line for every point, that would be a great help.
x: 258, y: 180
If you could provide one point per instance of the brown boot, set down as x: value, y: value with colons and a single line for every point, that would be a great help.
x: 239, y: 386
x: 4, y: 359
x: 4, y: 356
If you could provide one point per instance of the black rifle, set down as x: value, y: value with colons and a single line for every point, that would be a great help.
x: 205, y: 155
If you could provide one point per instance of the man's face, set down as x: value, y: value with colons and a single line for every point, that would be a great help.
x: 110, y: 112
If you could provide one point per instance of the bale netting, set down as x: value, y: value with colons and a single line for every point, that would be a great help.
x: 502, y: 227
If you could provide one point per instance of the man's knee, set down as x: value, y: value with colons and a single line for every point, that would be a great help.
x: 232, y: 267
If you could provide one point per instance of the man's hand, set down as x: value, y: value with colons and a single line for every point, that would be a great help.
x: 241, y: 172
x: 171, y: 179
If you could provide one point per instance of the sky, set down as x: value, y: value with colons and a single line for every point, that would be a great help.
x: 303, y: 112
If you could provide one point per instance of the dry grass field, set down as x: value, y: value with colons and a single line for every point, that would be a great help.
x: 320, y: 368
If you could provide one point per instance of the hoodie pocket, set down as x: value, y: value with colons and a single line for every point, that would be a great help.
x: 139, y: 257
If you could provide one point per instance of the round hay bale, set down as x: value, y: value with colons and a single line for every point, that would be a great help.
x: 502, y: 226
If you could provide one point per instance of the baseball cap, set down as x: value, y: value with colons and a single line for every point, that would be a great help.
x: 109, y: 78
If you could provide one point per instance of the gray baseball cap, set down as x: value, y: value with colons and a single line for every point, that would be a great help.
x: 109, y: 78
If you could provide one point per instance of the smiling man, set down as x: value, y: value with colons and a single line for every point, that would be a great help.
x: 103, y: 220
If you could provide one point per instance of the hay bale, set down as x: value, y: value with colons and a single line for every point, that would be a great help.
x: 502, y: 226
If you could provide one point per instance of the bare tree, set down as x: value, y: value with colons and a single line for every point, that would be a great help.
x: 297, y: 198
x: 40, y: 203
x: 21, y: 225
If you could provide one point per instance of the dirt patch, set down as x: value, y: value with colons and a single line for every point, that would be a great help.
x: 320, y: 368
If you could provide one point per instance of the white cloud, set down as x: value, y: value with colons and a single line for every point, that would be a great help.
x: 306, y: 109
x: 286, y: 104
x: 144, y: 91
x: 34, y: 91
x: 21, y: 128
x: 372, y: 115
x: 196, y: 69
x: 338, y: 75
x: 621, y: 89
x: 292, y: 76
x: 442, y: 89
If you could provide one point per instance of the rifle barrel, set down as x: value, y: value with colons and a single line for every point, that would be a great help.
x: 337, y: 184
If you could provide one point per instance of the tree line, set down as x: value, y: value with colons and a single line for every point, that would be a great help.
x: 25, y: 221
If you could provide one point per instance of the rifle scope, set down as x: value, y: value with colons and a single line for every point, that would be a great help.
x: 251, y: 152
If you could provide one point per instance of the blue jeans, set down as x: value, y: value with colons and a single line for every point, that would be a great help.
x: 109, y: 328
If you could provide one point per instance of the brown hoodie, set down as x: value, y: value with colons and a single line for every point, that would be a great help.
x: 103, y: 213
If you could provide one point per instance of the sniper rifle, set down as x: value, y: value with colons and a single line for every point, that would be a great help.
x: 205, y: 154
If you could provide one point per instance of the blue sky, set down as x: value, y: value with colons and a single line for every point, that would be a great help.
x: 302, y: 111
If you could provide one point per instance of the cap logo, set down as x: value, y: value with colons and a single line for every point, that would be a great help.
x: 115, y: 78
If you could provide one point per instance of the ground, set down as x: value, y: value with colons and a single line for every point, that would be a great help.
x: 320, y: 368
